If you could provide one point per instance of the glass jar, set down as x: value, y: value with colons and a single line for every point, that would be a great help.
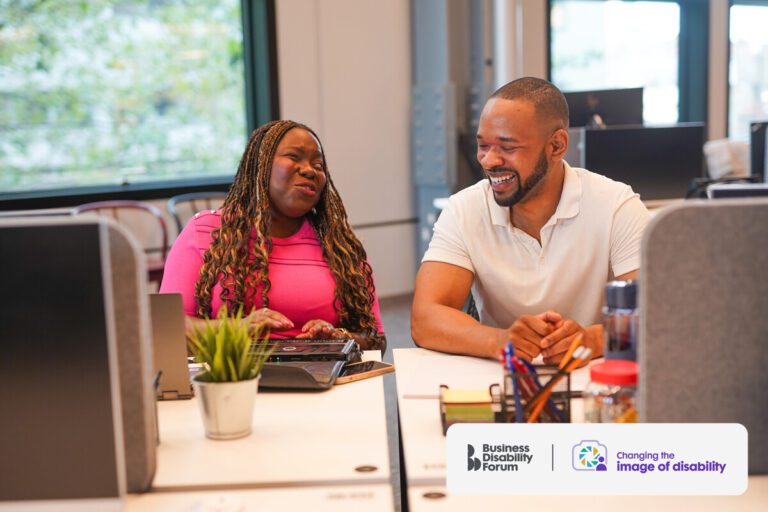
x: 621, y: 320
x: 610, y: 395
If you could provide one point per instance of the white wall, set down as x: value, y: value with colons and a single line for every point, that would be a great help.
x: 344, y: 70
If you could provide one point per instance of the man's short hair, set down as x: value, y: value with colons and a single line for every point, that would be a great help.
x: 548, y: 100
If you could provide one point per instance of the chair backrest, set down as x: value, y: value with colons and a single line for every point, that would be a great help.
x: 184, y: 206
x: 133, y: 216
x: 703, y: 350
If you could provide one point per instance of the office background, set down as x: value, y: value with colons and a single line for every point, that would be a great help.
x: 393, y: 89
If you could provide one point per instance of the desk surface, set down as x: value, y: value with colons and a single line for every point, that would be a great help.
x: 419, y: 375
x: 437, y: 499
x: 334, y: 437
x: 371, y: 498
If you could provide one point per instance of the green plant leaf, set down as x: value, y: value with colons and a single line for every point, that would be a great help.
x: 228, y: 349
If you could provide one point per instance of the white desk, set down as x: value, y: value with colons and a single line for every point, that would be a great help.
x: 331, y: 438
x: 428, y: 499
x: 371, y: 498
x: 419, y: 375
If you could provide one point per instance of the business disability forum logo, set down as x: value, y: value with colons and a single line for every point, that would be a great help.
x: 553, y: 459
x: 589, y: 455
x: 498, y: 457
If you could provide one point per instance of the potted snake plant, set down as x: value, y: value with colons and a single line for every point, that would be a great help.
x: 232, y: 356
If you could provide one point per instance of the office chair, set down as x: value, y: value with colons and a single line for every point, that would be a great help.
x: 135, y: 217
x: 184, y: 206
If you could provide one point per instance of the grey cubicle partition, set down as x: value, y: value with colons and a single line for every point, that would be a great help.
x: 73, y: 286
x: 134, y: 353
x: 704, y: 318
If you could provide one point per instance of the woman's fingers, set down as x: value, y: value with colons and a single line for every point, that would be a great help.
x: 265, y: 317
x: 319, y: 329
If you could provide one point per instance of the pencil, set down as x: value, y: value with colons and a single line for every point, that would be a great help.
x: 541, y: 398
x: 579, y: 356
x: 571, y: 349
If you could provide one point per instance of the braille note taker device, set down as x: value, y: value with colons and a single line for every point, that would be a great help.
x: 307, y: 363
x: 295, y: 349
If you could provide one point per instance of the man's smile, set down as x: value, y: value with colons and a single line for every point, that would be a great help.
x: 502, y: 182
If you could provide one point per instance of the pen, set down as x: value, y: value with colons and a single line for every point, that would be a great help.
x: 580, y: 356
x: 509, y: 353
x: 550, y: 402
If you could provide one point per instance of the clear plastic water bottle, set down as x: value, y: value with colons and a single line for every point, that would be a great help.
x: 621, y: 320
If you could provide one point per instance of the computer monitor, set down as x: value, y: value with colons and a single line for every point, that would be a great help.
x: 614, y: 106
x: 757, y: 147
x: 61, y: 429
x: 657, y: 162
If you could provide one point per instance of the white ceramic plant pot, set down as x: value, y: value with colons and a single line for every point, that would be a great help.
x: 227, y: 407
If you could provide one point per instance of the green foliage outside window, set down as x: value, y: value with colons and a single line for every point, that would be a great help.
x: 106, y: 92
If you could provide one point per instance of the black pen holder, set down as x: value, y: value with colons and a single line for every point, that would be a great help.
x: 502, y: 407
x: 558, y: 406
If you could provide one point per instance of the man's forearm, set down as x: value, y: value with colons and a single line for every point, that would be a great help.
x: 447, y: 329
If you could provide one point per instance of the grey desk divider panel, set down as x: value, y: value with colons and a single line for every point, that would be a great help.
x: 134, y: 352
x: 50, y: 271
x: 704, y: 318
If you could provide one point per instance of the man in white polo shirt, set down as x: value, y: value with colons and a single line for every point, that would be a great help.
x: 535, y: 242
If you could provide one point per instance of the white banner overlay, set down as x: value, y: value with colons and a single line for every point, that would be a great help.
x: 488, y: 459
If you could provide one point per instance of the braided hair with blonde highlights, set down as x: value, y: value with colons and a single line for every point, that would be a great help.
x: 238, y: 258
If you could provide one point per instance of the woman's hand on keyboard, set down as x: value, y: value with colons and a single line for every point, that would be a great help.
x: 265, y: 318
x: 319, y: 329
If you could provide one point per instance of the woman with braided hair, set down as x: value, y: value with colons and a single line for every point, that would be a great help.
x: 280, y: 246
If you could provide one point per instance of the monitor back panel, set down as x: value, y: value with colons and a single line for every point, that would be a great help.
x: 657, y: 162
x: 615, y: 106
x: 757, y: 148
x: 59, y: 423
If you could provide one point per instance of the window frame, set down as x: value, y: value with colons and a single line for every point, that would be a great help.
x: 731, y: 3
x: 693, y: 58
x: 261, y: 103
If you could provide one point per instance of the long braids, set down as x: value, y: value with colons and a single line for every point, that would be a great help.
x: 240, y: 266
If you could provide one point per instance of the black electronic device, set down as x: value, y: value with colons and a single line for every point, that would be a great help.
x: 317, y: 375
x: 313, y: 349
x: 757, y: 147
x: 363, y: 370
x: 613, y: 106
x: 737, y: 190
x: 657, y: 162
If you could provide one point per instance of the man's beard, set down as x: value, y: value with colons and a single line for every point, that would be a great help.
x: 523, y: 188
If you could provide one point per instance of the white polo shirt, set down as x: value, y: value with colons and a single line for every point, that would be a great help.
x: 593, y: 236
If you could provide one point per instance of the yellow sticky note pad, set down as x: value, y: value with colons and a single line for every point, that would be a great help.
x: 466, y: 396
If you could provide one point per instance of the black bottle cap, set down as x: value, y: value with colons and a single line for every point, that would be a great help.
x: 621, y: 294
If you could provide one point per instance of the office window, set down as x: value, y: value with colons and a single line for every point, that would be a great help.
x: 748, y: 69
x: 618, y: 44
x: 100, y: 93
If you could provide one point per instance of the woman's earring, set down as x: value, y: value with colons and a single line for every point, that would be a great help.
x: 314, y: 211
